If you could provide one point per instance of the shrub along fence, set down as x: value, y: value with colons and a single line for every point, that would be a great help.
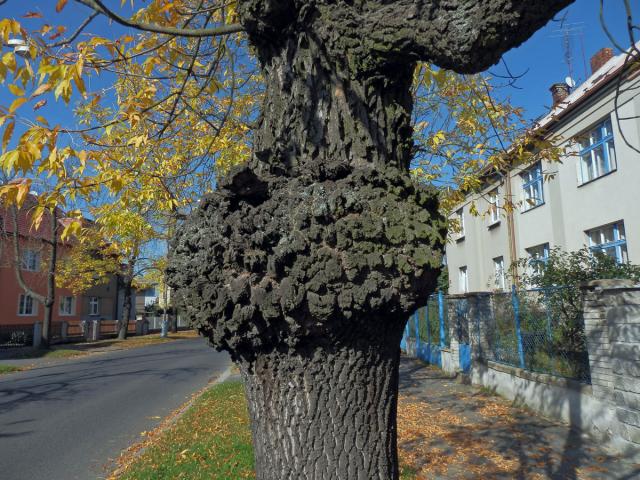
x: 15, y: 335
x: 570, y: 353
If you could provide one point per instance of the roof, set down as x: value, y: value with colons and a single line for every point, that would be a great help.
x: 595, y: 83
x: 25, y: 227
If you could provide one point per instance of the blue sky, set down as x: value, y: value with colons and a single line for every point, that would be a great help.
x: 541, y: 59
x: 542, y: 56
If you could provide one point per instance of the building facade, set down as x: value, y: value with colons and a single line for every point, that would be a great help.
x: 17, y: 306
x: 588, y: 199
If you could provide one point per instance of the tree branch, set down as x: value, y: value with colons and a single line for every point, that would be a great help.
x: 466, y: 36
x: 99, y: 7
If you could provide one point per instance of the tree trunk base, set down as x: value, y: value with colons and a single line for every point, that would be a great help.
x: 325, y: 414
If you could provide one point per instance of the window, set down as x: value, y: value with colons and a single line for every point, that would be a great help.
x: 494, y: 207
x: 539, y: 253
x: 463, y: 280
x: 460, y: 220
x: 532, y: 192
x: 26, y: 305
x: 94, y: 306
x: 66, y: 306
x: 597, y: 152
x: 610, y: 240
x: 500, y: 280
x: 31, y: 260
x: 538, y: 256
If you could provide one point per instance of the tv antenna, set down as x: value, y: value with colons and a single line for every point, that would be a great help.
x: 566, y: 33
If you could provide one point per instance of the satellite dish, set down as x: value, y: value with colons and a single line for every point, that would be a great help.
x: 570, y: 81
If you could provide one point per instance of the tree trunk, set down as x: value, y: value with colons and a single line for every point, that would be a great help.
x: 123, y: 324
x: 305, y: 262
x: 49, y: 300
x: 328, y: 414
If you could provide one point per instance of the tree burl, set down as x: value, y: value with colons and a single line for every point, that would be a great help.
x: 305, y: 263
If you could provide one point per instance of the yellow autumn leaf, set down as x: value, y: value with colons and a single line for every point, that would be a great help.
x: 6, y: 136
x: 16, y: 90
x: 17, y: 103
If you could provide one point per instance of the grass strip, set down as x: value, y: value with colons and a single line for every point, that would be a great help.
x: 212, y: 440
x: 8, y: 369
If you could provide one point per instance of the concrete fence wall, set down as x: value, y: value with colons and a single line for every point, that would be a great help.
x: 612, y: 329
x: 609, y: 407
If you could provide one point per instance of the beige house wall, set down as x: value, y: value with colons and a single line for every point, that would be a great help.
x: 570, y: 209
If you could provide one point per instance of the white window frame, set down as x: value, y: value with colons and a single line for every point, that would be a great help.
x: 598, y: 137
x: 67, y: 301
x: 463, y: 279
x: 500, y: 278
x: 23, y: 302
x: 494, y: 207
x: 532, y: 187
x: 618, y: 246
x: 30, y: 260
x: 94, y: 306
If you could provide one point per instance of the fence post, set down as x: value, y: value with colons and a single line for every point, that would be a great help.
x: 416, y: 317
x: 164, y: 328
x: 441, y: 317
x: 37, y: 334
x: 64, y: 331
x: 516, y: 314
x: 548, y: 312
x: 96, y: 330
x: 139, y: 327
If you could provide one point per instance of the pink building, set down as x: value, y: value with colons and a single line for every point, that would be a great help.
x: 17, y: 307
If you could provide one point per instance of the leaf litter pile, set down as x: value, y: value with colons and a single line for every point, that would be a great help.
x: 461, y: 435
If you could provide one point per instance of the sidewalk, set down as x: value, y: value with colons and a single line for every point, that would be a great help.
x: 453, y: 431
x: 32, y: 358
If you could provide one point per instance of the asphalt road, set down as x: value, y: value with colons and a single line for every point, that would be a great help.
x: 69, y: 421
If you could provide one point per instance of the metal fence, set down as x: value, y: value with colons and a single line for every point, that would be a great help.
x: 155, y: 323
x: 428, y: 330
x: 541, y: 330
x: 537, y: 330
x: 16, y: 335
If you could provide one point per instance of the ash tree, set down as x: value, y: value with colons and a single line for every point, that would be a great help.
x: 306, y: 261
x: 308, y: 257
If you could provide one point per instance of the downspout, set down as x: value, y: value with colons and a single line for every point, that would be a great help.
x: 511, y: 231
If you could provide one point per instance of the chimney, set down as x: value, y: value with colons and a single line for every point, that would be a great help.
x: 559, y: 91
x: 601, y: 57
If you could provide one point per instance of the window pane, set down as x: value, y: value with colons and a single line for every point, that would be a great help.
x: 625, y: 256
x: 607, y: 234
x: 600, y: 161
x: 596, y: 135
x: 586, y: 167
x: 607, y: 128
x: 612, y: 154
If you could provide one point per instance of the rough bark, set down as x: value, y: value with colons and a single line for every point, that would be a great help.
x: 326, y: 413
x: 306, y: 262
x: 51, y: 280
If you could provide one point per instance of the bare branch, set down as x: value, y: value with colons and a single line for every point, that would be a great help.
x: 98, y: 6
